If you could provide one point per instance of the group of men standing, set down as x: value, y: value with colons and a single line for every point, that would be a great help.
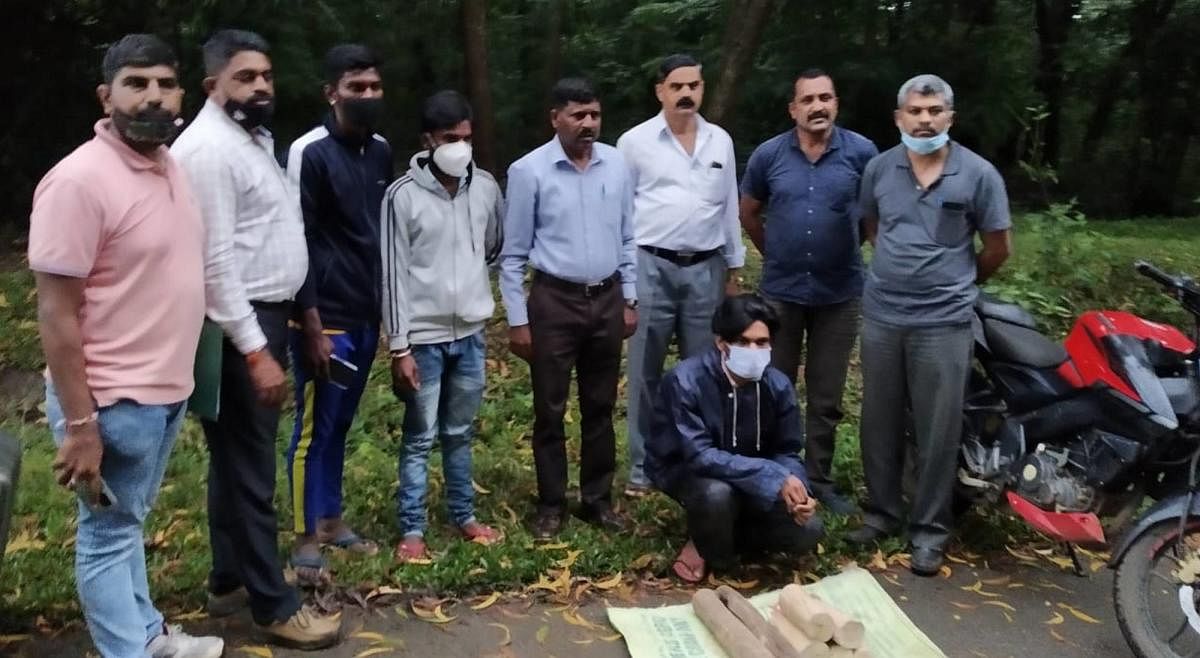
x: 134, y: 245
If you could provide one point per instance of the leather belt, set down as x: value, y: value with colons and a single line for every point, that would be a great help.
x: 584, y: 289
x: 681, y: 258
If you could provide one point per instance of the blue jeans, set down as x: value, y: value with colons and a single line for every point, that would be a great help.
x: 110, y: 563
x: 451, y: 376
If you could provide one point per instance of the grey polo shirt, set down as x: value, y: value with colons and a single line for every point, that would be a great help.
x: 923, y: 270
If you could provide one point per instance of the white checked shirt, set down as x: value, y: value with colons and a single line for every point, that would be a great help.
x: 255, y: 247
x: 684, y: 202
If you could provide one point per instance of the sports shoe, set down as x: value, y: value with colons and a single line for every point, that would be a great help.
x: 306, y: 630
x: 174, y: 643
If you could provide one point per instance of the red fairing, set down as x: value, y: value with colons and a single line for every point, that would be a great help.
x: 1072, y: 527
x: 1091, y: 363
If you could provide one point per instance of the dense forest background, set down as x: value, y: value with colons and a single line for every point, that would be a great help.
x: 1092, y: 100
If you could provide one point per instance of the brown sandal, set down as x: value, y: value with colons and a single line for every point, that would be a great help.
x: 689, y: 566
x: 479, y: 533
x: 412, y: 550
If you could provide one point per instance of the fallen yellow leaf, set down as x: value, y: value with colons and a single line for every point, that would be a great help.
x: 569, y: 560
x: 945, y: 571
x: 878, y: 562
x: 374, y: 651
x: 507, y: 634
x: 1055, y: 620
x: 978, y: 589
x: 1058, y: 636
x: 1079, y: 614
x: 487, y: 603
x: 956, y: 559
x: 3, y: 301
x: 479, y: 489
x: 582, y: 641
x: 610, y: 582
x: 435, y: 616
x: 1001, y: 604
x: 191, y: 616
x: 25, y: 541
x: 512, y: 516
x: 365, y: 635
x: 552, y: 547
x: 1007, y: 616
x: 542, y: 634
x: 611, y: 638
x: 573, y: 618
x: 1003, y: 580
x: 642, y: 561
x: 261, y: 652
x: 964, y: 606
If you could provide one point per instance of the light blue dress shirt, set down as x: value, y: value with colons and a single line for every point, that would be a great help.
x: 571, y: 224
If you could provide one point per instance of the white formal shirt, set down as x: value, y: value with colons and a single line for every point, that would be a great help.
x: 255, y: 248
x: 684, y: 202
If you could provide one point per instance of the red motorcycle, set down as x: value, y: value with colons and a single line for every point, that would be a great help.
x: 1069, y: 433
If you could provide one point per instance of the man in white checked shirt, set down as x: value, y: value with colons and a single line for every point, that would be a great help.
x: 685, y: 217
x: 256, y: 260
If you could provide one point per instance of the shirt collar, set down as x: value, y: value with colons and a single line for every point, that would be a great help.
x: 835, y: 140
x: 663, y: 130
x: 953, y: 160
x: 226, y: 122
x: 107, y: 134
x: 560, y: 154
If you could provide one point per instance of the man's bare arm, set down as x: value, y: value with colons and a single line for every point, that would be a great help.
x: 870, y: 229
x: 750, y: 213
x: 997, y: 247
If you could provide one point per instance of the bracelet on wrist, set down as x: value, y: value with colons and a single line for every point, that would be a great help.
x: 400, y: 354
x: 86, y: 420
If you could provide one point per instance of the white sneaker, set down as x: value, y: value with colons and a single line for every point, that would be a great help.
x: 174, y: 643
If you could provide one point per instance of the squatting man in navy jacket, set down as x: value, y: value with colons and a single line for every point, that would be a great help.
x: 724, y: 444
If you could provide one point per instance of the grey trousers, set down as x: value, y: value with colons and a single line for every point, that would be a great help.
x: 928, y: 366
x: 821, y: 337
x: 673, y: 302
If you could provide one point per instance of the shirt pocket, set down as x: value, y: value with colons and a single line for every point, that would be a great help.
x: 948, y: 225
x: 715, y: 185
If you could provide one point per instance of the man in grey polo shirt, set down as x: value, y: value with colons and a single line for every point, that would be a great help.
x: 923, y: 201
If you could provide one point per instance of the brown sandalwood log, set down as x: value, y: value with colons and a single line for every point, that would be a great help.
x: 806, y: 613
x: 733, y: 636
x: 743, y: 610
x: 788, y: 641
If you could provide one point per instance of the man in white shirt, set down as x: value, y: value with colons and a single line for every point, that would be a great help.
x: 255, y: 261
x: 689, y: 240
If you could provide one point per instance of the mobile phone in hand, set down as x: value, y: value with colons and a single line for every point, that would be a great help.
x: 341, y: 372
x: 98, y: 501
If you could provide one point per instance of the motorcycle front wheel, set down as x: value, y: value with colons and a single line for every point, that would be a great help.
x: 1155, y: 592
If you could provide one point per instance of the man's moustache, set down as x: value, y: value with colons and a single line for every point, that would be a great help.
x: 818, y: 115
x: 686, y: 102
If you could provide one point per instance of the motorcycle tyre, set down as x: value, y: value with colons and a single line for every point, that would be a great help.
x: 1128, y: 585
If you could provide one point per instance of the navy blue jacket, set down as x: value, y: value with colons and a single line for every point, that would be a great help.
x: 749, y: 437
x: 341, y: 181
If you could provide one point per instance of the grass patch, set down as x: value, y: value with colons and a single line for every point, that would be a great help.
x: 37, y: 579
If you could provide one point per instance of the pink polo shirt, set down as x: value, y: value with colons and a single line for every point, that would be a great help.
x: 128, y: 224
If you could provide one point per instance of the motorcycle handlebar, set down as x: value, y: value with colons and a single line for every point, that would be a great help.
x: 1153, y: 273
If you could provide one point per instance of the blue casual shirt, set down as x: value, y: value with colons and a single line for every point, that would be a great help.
x: 571, y: 224
x: 812, y: 236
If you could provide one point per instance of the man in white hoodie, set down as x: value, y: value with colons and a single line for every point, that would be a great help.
x: 441, y: 226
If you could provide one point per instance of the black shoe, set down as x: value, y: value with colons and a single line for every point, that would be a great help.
x: 605, y: 518
x: 834, y: 501
x: 866, y: 535
x: 926, y: 561
x: 546, y: 525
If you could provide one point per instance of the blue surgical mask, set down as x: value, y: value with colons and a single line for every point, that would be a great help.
x: 748, y: 363
x: 925, y: 145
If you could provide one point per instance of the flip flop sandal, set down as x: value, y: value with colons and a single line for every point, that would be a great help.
x: 311, y: 571
x: 351, y: 541
x: 412, y: 550
x: 482, y: 534
x: 686, y: 572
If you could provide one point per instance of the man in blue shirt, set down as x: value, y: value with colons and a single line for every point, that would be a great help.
x: 570, y: 218
x: 340, y: 170
x: 724, y: 443
x: 807, y: 181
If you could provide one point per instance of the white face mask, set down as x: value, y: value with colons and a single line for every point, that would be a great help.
x: 748, y: 363
x: 453, y: 158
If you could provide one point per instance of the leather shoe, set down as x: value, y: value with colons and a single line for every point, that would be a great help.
x: 834, y: 501
x: 926, y: 561
x: 547, y: 525
x: 866, y: 535
x: 604, y: 517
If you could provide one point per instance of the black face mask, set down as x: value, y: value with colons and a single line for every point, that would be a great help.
x: 251, y: 115
x: 150, y: 127
x: 362, y: 113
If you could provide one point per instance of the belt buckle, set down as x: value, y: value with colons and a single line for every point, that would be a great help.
x: 590, y: 289
x: 687, y: 257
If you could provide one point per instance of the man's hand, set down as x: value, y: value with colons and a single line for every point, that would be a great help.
x: 78, y: 459
x: 317, y: 349
x: 406, y: 377
x: 795, y: 496
x: 520, y: 342
x: 631, y: 320
x: 732, y: 289
x: 267, y: 378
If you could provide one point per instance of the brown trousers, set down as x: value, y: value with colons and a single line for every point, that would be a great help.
x: 571, y: 327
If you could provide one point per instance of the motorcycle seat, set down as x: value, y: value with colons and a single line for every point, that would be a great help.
x: 997, y: 309
x: 1022, y: 344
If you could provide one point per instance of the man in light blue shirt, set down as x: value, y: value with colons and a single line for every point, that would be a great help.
x: 570, y: 217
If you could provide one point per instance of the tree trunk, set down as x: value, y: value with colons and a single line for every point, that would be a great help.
x: 1147, y: 17
x: 479, y: 88
x: 551, y: 71
x: 1053, y: 22
x: 742, y: 37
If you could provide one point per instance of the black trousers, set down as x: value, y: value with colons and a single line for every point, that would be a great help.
x: 724, y: 523
x: 242, y: 527
x: 574, y: 329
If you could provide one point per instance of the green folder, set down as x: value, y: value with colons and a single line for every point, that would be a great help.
x: 206, y: 398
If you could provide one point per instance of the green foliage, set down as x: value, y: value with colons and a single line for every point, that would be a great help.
x: 19, y: 344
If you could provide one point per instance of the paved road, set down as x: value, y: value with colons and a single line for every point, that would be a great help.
x: 963, y: 622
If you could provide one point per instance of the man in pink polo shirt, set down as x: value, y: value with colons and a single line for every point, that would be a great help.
x: 116, y: 245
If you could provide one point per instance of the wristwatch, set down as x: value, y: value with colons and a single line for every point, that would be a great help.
x: 631, y: 303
